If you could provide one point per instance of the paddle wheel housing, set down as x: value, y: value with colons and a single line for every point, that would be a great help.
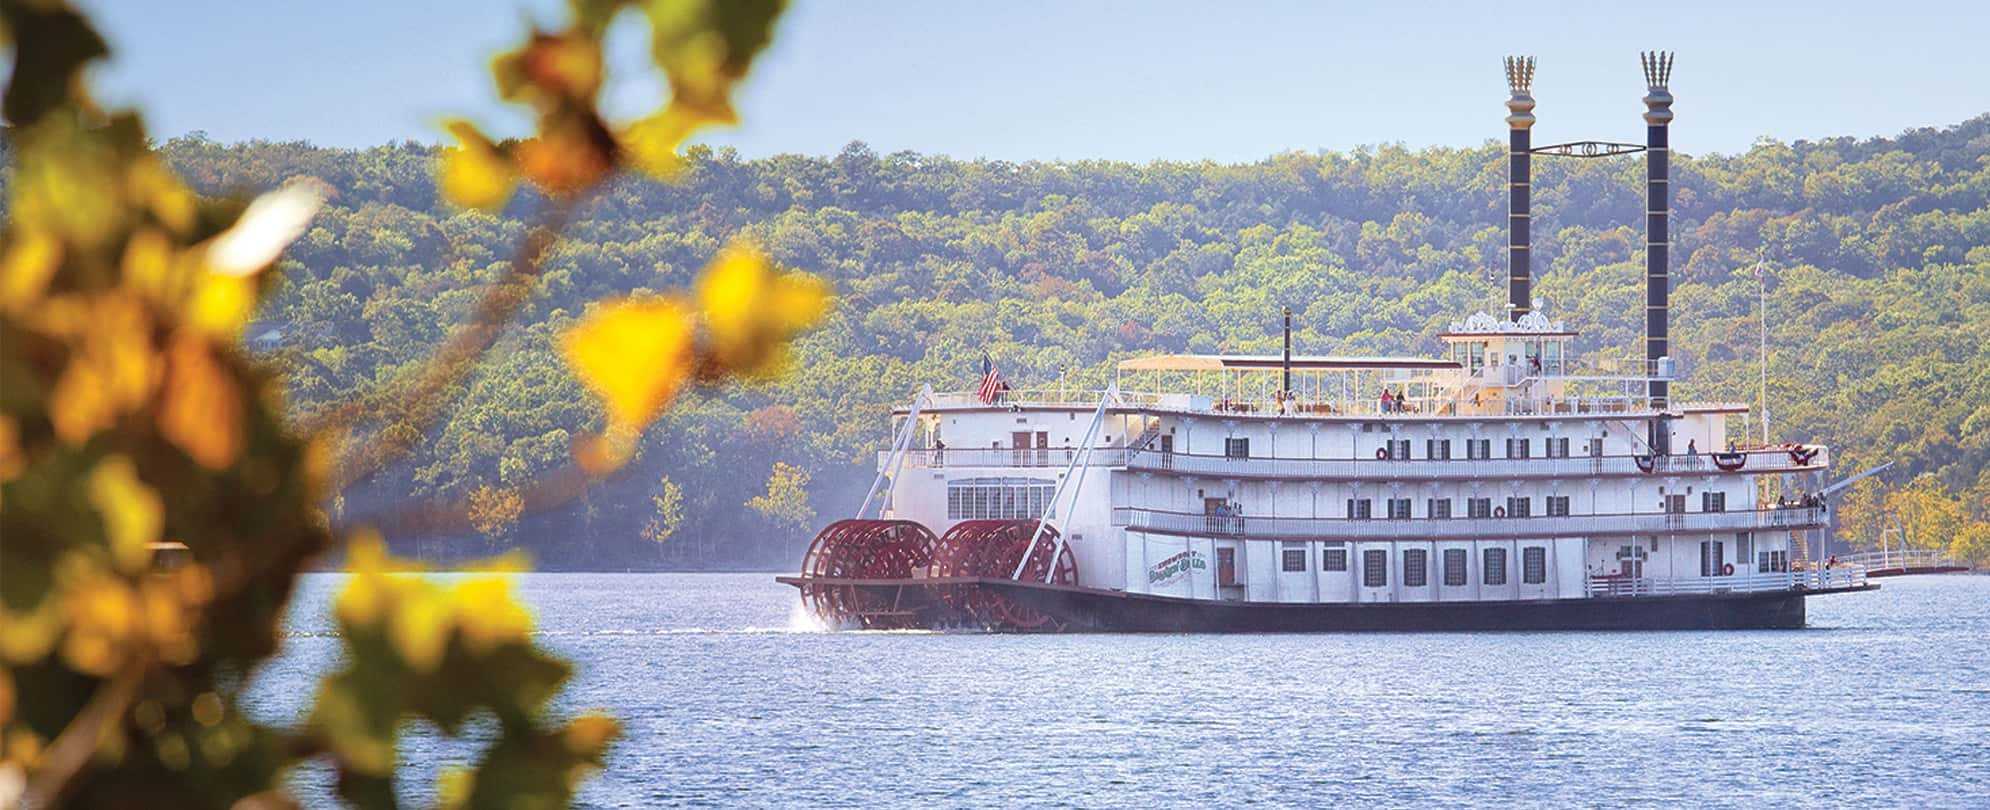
x: 993, y: 549
x: 868, y: 550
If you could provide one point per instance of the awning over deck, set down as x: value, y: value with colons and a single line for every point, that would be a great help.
x: 1254, y: 362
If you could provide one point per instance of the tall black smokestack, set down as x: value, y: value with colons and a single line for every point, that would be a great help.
x: 1658, y: 205
x: 1519, y: 172
x: 1288, y: 351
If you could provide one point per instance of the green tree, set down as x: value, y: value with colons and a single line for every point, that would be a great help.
x: 786, y: 500
x: 668, y: 514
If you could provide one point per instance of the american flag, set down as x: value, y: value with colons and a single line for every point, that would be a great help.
x: 991, y: 381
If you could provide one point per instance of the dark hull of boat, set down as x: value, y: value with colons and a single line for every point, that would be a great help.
x: 1080, y: 609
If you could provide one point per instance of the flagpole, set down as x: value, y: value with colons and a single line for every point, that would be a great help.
x: 1762, y: 307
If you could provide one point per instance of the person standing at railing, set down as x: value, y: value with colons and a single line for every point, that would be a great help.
x: 939, y: 452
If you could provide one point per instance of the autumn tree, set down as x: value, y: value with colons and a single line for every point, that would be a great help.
x: 494, y: 512
x: 786, y: 500
x: 668, y: 511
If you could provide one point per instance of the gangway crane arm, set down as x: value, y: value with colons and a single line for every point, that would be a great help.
x: 889, y: 470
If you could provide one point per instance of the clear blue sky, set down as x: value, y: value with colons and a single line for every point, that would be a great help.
x: 1018, y: 80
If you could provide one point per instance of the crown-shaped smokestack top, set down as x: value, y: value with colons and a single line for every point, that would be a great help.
x: 1520, y: 80
x: 1658, y: 74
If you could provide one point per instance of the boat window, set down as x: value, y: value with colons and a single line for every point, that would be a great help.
x: 998, y: 498
x: 1534, y: 565
x: 1439, y: 508
x: 1454, y: 567
x: 1478, y: 507
x: 1375, y: 568
x: 1237, y: 448
x: 1359, y: 508
x: 1713, y: 501
x: 1519, y: 507
x: 1295, y: 559
x: 1558, y: 505
x: 1713, y: 554
x: 1333, y: 559
x: 1416, y: 567
x: 1399, y: 508
x: 1495, y: 559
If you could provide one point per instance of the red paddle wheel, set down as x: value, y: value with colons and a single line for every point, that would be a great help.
x: 992, y: 548
x: 873, y: 550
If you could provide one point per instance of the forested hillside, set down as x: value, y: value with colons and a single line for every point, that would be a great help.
x: 1878, y: 300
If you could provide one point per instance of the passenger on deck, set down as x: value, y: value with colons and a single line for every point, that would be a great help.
x: 1692, y: 449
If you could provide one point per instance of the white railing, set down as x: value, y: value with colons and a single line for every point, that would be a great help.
x: 1004, y: 457
x: 1486, y: 528
x: 1457, y: 468
x: 1903, y: 558
x: 1264, y: 404
x: 1832, y: 579
x: 1353, y: 469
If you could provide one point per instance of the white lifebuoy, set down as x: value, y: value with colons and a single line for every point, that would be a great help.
x: 1499, y: 511
x: 1381, y: 453
x: 1727, y: 569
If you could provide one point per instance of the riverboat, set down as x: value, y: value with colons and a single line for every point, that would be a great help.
x: 1504, y: 484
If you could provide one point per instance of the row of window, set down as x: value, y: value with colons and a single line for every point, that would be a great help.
x: 1440, y: 449
x: 1416, y: 565
x: 1399, y: 508
x: 998, y: 498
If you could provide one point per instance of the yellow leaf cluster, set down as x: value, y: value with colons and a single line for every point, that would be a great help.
x: 634, y: 353
x: 131, y: 511
x: 112, y: 371
x: 637, y: 353
x: 751, y: 309
x: 110, y: 618
x: 202, y: 412
x: 419, y: 617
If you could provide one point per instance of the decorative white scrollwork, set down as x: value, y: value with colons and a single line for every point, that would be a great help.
x: 1484, y: 323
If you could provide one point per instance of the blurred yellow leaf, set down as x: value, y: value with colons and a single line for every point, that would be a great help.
x: 132, y: 513
x: 652, y: 142
x: 104, y: 617
x: 487, y: 613
x: 588, y: 734
x: 567, y: 65
x: 30, y: 260
x: 635, y: 354
x: 751, y: 308
x: 363, y: 600
x: 475, y: 174
x: 568, y: 158
x: 30, y: 635
x: 202, y: 412
x: 113, y: 373
x: 12, y: 460
x: 419, y: 628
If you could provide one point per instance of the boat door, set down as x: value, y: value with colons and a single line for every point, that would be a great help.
x: 1226, y: 566
x: 1019, y: 445
x: 1043, y: 448
x: 1167, y: 451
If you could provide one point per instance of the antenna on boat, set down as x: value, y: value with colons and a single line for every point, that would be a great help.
x: 1519, y: 171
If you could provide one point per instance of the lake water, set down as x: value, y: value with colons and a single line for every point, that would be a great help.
x: 728, y: 699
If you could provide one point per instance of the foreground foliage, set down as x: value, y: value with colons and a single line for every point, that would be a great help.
x: 133, y: 423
